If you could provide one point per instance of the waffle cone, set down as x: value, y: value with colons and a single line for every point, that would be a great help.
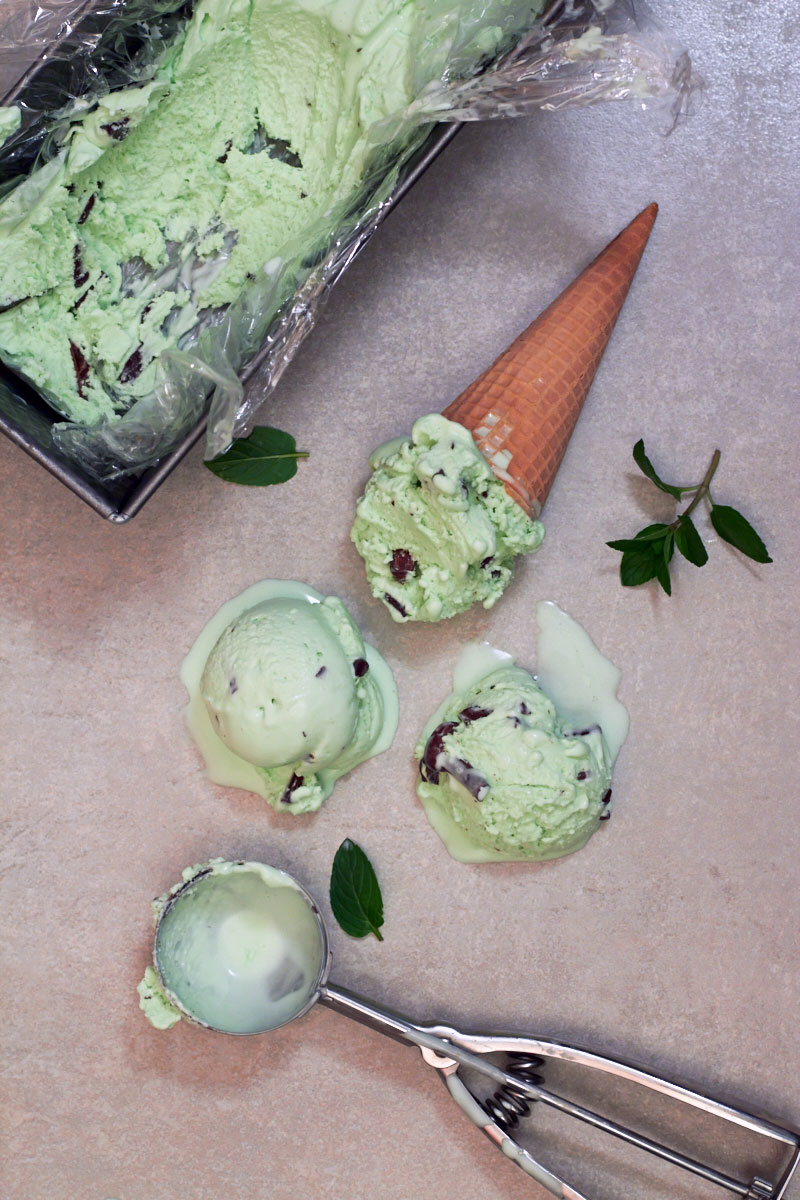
x: 522, y: 410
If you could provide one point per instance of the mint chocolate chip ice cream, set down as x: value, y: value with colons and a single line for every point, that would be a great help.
x: 506, y: 773
x: 165, y: 199
x: 285, y: 697
x: 435, y: 527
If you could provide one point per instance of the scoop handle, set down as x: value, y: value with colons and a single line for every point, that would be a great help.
x: 395, y: 1025
x: 399, y: 1027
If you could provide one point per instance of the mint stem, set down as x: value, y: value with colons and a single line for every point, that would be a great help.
x: 703, y: 488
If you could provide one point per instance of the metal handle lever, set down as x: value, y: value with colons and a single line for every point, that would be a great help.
x: 447, y: 1049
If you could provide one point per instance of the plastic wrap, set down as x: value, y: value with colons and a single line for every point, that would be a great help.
x: 473, y: 60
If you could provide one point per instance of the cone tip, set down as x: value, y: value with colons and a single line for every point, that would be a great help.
x: 648, y: 214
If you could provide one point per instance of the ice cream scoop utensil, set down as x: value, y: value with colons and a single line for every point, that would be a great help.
x: 462, y: 1059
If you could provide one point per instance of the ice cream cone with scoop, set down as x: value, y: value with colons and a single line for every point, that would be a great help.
x: 446, y: 511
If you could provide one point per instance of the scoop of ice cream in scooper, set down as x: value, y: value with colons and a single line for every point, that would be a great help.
x: 446, y: 511
x: 241, y: 948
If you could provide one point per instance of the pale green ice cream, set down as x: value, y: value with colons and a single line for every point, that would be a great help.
x: 166, y: 198
x: 503, y: 777
x: 285, y: 697
x: 10, y: 120
x: 436, y: 528
x: 154, y: 1002
x: 238, y: 947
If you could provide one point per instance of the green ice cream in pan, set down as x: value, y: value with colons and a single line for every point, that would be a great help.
x: 447, y: 510
x: 166, y: 199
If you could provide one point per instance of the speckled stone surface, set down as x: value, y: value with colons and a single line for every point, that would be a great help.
x: 673, y: 937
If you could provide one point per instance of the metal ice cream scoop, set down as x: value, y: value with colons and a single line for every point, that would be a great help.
x: 242, y: 948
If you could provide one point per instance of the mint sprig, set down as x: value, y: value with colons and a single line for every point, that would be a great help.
x: 355, y: 893
x: 647, y: 555
x: 267, y: 456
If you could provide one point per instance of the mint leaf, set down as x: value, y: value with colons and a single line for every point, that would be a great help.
x: 662, y: 575
x: 648, y: 534
x: 355, y: 893
x: 662, y: 563
x: 267, y: 456
x: 733, y: 528
x: 639, y: 566
x: 648, y: 555
x: 689, y: 542
x: 647, y: 468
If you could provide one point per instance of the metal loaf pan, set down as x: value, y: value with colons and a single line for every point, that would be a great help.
x: 25, y: 417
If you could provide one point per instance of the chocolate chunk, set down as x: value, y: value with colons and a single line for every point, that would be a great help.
x: 88, y: 208
x: 79, y: 274
x: 4, y: 308
x: 304, y: 195
x: 132, y: 368
x: 79, y: 302
x: 473, y: 712
x: 523, y: 708
x: 233, y: 686
x: 605, y: 816
x: 145, y: 311
x: 224, y: 156
x: 486, y: 561
x: 81, y: 366
x: 395, y: 604
x: 435, y: 760
x: 434, y: 751
x: 360, y: 666
x: 320, y: 672
x: 607, y: 797
x: 275, y: 147
x: 294, y: 783
x: 582, y: 775
x: 573, y: 733
x: 402, y: 565
x: 475, y: 783
x: 118, y: 130
x: 515, y: 721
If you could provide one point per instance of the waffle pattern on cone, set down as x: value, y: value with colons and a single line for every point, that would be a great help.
x: 522, y: 410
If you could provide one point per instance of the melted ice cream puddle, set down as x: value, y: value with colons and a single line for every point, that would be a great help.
x: 581, y: 682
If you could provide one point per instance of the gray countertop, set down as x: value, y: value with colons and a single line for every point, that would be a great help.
x: 672, y: 938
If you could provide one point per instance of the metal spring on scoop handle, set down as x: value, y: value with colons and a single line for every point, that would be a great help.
x: 508, y: 1104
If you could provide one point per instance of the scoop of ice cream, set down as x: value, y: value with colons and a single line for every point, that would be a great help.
x: 241, y: 949
x: 436, y: 528
x: 285, y: 697
x: 502, y: 776
x: 280, y: 684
